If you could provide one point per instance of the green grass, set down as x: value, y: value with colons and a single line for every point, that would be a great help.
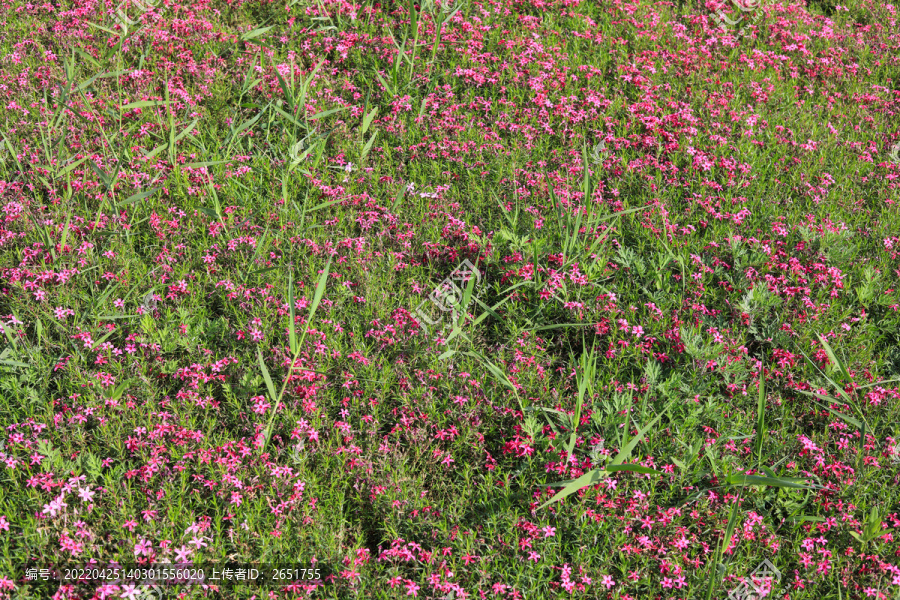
x: 690, y: 335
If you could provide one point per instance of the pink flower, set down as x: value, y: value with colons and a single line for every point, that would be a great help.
x: 56, y: 506
x: 183, y: 554
x: 412, y: 589
x: 260, y: 406
x: 607, y: 581
x: 143, y: 547
x: 549, y: 531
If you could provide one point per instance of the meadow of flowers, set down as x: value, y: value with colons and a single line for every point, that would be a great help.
x: 489, y: 299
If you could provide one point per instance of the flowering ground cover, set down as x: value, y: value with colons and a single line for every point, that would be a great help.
x: 498, y: 299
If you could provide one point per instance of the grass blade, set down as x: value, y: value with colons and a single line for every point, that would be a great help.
x: 251, y: 35
x: 268, y: 378
x: 292, y: 326
x: 760, y: 416
x: 138, y: 197
x: 588, y: 479
x: 842, y: 368
x: 781, y: 482
x: 625, y: 453
x: 367, y: 120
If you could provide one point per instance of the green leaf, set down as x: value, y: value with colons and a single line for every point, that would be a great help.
x: 255, y: 33
x: 320, y: 290
x: 588, y: 479
x: 625, y: 453
x: 156, y: 151
x: 292, y: 326
x: 400, y: 193
x: 807, y: 518
x: 100, y: 173
x: 594, y: 476
x: 389, y: 89
x: 317, y: 298
x: 143, y: 104
x: 87, y: 83
x: 209, y: 163
x: 495, y: 371
x: 739, y: 480
x: 839, y: 389
x: 761, y: 416
x: 836, y: 413
x: 187, y: 129
x: 446, y: 354
x: 266, y: 376
x: 72, y: 166
x: 368, y: 146
x: 288, y: 93
x: 138, y: 197
x: 323, y: 205
x: 732, y: 522
x: 325, y: 113
x: 13, y: 363
x: 101, y: 340
x: 842, y: 369
x: 289, y: 117
x: 367, y: 120
x: 633, y: 469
